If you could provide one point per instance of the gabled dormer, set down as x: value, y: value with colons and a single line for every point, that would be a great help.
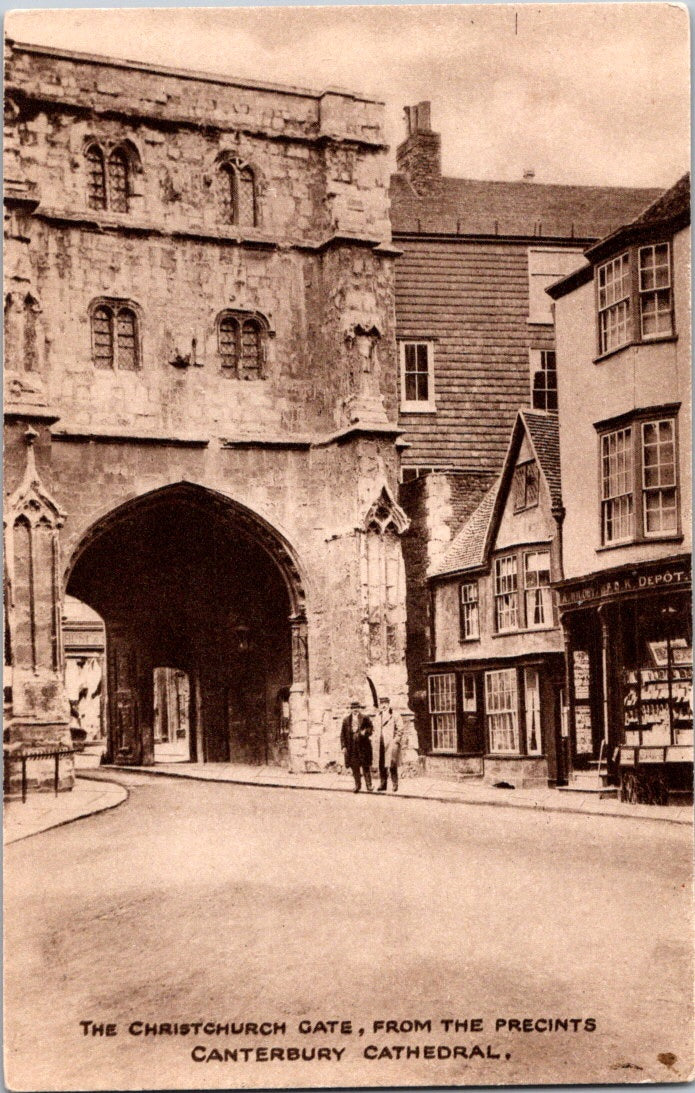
x: 494, y: 581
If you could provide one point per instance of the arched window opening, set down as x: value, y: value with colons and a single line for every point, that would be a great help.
x: 228, y: 341
x: 102, y: 337
x: 115, y: 336
x: 238, y: 193
x: 241, y: 344
x: 246, y: 197
x: 118, y: 181
x: 251, y: 349
x: 96, y: 178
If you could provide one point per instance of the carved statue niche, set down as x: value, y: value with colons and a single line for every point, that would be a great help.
x: 382, y: 577
x: 32, y: 551
x: 21, y: 334
x: 362, y: 341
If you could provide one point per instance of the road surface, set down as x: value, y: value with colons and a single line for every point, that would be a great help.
x: 198, y: 904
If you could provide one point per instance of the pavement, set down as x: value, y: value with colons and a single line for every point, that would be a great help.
x: 93, y: 792
x: 467, y: 792
x: 42, y: 811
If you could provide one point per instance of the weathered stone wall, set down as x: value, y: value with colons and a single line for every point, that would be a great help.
x: 310, y: 446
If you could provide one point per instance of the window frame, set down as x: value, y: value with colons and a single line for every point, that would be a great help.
x: 635, y: 297
x: 114, y: 306
x: 520, y: 555
x: 546, y: 599
x: 498, y: 595
x: 538, y: 365
x: 451, y: 695
x: 512, y: 711
x: 521, y: 504
x: 636, y: 423
x: 231, y: 171
x: 465, y: 616
x: 417, y: 406
x: 241, y: 319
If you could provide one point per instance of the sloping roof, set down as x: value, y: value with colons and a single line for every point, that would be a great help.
x: 673, y: 203
x: 467, y: 549
x: 670, y: 211
x: 543, y: 429
x: 477, y: 207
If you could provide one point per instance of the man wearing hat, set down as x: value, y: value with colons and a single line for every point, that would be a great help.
x: 357, y: 747
x: 390, y: 744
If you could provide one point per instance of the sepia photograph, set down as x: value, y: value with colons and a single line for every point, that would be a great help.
x: 348, y: 732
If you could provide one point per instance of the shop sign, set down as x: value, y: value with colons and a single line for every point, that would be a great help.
x: 584, y: 743
x: 633, y: 581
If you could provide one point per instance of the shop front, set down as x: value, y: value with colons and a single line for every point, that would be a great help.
x: 628, y: 646
x: 497, y: 719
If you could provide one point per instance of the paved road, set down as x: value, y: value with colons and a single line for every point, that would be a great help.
x: 201, y: 902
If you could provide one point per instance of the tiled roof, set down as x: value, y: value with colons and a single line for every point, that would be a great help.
x: 461, y: 206
x: 468, y: 547
x: 545, y: 436
x: 673, y: 203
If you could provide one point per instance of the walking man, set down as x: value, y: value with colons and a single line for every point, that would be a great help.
x: 357, y: 747
x: 390, y: 744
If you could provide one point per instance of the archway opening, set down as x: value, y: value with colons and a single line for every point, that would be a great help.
x: 188, y: 582
x: 171, y: 699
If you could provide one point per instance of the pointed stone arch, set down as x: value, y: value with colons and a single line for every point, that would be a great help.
x: 385, y: 513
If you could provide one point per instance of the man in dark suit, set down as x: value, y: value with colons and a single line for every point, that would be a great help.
x: 357, y: 746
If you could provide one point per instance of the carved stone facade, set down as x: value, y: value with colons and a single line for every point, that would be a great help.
x: 201, y: 369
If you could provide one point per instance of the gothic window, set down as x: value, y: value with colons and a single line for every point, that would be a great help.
x: 227, y: 341
x: 238, y: 193
x: 109, y: 181
x: 241, y: 344
x: 118, y: 181
x: 115, y: 335
x: 96, y: 178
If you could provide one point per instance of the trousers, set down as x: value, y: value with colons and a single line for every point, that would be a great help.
x: 358, y: 769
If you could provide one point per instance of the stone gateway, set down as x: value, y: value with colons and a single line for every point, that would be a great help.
x: 201, y: 405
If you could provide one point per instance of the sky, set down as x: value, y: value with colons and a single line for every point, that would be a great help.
x: 579, y: 93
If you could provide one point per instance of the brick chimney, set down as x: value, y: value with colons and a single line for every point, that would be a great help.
x: 419, y: 157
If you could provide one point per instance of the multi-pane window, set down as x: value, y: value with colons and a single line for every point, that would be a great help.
x: 238, y: 193
x: 614, y: 303
x: 96, y: 178
x: 118, y: 181
x: 240, y: 345
x: 525, y: 485
x: 506, y: 598
x: 639, y: 458
x: 441, y: 691
x: 655, y: 291
x: 227, y: 341
x: 501, y: 710
x: 537, y: 594
x: 115, y: 336
x: 469, y: 611
x: 532, y: 696
x: 617, y: 501
x: 417, y: 381
x: 659, y: 477
x: 108, y: 185
x: 544, y: 370
x: 468, y: 698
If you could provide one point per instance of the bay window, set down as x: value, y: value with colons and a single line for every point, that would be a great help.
x: 639, y: 487
x: 634, y: 297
